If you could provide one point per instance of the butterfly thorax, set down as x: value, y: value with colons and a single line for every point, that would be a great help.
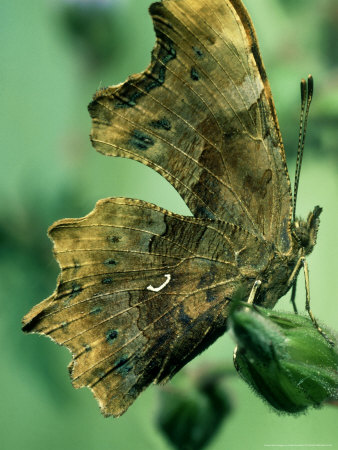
x: 276, y: 275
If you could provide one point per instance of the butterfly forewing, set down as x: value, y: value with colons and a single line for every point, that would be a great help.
x: 203, y: 117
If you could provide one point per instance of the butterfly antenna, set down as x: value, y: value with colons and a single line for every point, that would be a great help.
x: 306, y: 92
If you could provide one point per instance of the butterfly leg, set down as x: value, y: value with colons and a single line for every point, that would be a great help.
x: 293, y: 296
x: 253, y: 292
x: 307, y: 304
x: 292, y: 281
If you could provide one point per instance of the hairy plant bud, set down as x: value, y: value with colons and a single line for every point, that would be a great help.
x: 285, y: 359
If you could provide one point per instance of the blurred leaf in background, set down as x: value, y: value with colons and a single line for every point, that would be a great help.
x: 53, y: 60
x: 92, y: 28
x: 194, y: 406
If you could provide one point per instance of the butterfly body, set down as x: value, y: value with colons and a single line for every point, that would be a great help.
x: 143, y: 290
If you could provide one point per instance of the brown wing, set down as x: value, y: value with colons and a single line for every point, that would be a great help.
x: 202, y: 115
x: 122, y: 334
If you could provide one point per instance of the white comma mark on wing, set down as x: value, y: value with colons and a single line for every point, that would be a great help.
x: 151, y: 288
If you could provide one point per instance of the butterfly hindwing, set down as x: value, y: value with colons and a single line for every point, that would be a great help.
x: 203, y: 117
x: 122, y: 334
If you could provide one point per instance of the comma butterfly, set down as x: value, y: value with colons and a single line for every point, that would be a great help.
x: 142, y: 290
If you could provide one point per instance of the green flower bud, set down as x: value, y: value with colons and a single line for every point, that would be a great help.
x: 285, y: 359
x: 192, y: 408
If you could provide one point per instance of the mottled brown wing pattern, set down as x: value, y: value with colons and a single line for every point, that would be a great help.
x: 203, y: 117
x: 122, y: 335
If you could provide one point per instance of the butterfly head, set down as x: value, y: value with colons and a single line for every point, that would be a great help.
x: 305, y: 231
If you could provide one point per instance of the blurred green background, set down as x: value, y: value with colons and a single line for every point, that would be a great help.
x: 54, y: 55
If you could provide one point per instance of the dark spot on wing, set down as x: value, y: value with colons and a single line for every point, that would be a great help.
x: 165, y: 54
x: 168, y: 51
x: 114, y: 239
x: 111, y: 335
x: 76, y: 289
x: 87, y: 347
x: 183, y: 316
x: 198, y: 52
x: 157, y: 80
x: 210, y: 296
x: 107, y: 280
x: 110, y: 262
x: 141, y: 140
x: 121, y: 366
x: 161, y: 124
x: 127, y: 102
x: 194, y: 74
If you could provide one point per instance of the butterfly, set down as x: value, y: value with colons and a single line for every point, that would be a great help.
x: 142, y: 290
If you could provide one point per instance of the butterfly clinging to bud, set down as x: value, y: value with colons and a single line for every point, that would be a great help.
x: 142, y: 290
